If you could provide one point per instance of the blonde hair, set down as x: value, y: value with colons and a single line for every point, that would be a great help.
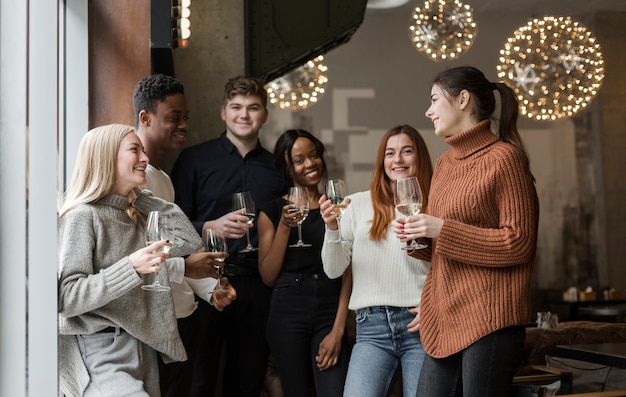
x: 94, y: 171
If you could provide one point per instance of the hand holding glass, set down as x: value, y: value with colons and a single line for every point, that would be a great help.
x: 215, y: 242
x: 158, y: 227
x: 408, y: 199
x: 243, y: 200
x: 299, y: 197
x: 336, y: 192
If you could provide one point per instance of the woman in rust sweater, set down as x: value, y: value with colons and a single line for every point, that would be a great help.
x: 482, y: 218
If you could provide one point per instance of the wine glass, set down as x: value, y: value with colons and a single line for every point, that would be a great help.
x: 243, y: 200
x: 336, y: 192
x: 215, y: 242
x: 158, y: 227
x: 299, y: 197
x: 408, y: 200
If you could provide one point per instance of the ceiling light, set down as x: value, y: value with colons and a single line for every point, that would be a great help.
x: 554, y: 65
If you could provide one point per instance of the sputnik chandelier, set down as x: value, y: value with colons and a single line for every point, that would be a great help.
x: 554, y: 66
x: 442, y: 29
x: 301, y: 87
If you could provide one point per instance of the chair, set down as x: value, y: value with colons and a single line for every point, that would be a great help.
x: 540, y: 380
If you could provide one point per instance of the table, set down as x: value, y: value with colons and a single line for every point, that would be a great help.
x: 602, y: 310
x: 578, y: 310
x: 611, y: 354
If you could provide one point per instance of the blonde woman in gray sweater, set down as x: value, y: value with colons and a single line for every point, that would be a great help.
x: 110, y: 330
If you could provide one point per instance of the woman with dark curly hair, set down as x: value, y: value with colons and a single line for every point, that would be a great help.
x: 307, y: 321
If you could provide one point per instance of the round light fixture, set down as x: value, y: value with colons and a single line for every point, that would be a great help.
x: 442, y: 29
x: 299, y: 88
x: 554, y: 65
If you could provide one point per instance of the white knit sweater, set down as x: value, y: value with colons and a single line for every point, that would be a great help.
x: 383, y: 273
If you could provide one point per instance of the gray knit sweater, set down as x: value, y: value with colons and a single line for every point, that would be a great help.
x: 98, y: 286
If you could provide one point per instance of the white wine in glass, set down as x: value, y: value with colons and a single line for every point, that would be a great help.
x: 215, y: 242
x: 299, y: 197
x: 408, y: 200
x: 243, y: 200
x: 158, y: 227
x: 336, y: 191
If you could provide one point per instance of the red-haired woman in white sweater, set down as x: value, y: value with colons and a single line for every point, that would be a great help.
x: 481, y: 224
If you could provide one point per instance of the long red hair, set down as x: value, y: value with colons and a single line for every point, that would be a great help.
x: 382, y: 189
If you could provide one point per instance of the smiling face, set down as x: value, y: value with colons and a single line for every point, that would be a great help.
x: 308, y: 165
x: 447, y: 115
x: 130, y: 167
x: 167, y: 126
x: 400, y: 157
x: 244, y: 115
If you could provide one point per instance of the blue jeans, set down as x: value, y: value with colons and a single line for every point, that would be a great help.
x: 483, y: 369
x: 383, y: 343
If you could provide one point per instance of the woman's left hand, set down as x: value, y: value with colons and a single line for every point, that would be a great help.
x: 414, y: 325
x: 328, y: 352
x: 416, y: 226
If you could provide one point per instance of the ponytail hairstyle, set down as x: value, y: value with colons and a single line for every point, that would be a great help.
x: 382, y: 188
x: 453, y: 81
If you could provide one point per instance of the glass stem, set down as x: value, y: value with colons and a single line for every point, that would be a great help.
x: 299, y: 233
x: 339, y: 229
x: 248, y: 238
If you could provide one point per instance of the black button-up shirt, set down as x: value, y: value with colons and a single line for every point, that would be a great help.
x: 206, y: 175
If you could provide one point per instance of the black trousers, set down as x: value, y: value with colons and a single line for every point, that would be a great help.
x: 302, y: 314
x: 175, y: 377
x: 484, y: 368
x: 239, y: 333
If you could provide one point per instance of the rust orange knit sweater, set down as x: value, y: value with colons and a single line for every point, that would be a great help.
x: 483, y: 259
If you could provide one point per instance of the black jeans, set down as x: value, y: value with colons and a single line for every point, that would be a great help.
x: 483, y: 369
x: 238, y: 332
x: 302, y: 314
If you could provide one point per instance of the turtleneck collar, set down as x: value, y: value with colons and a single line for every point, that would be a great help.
x: 471, y: 140
x: 115, y: 200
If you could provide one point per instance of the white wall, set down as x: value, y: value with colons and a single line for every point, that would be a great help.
x: 43, y: 114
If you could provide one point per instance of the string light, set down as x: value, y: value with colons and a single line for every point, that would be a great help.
x: 554, y: 65
x: 300, y: 88
x: 442, y: 29
x: 181, y: 23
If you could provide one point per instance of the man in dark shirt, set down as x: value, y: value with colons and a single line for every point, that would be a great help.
x: 205, y: 176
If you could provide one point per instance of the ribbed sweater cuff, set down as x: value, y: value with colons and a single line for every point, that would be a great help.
x: 453, y: 232
x: 121, y: 277
x: 172, y: 350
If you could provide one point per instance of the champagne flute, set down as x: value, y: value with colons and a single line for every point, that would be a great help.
x: 158, y: 227
x: 299, y: 197
x: 243, y: 200
x: 215, y: 242
x: 408, y: 200
x: 336, y: 192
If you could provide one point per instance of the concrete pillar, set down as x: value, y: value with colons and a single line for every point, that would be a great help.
x: 609, y: 148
